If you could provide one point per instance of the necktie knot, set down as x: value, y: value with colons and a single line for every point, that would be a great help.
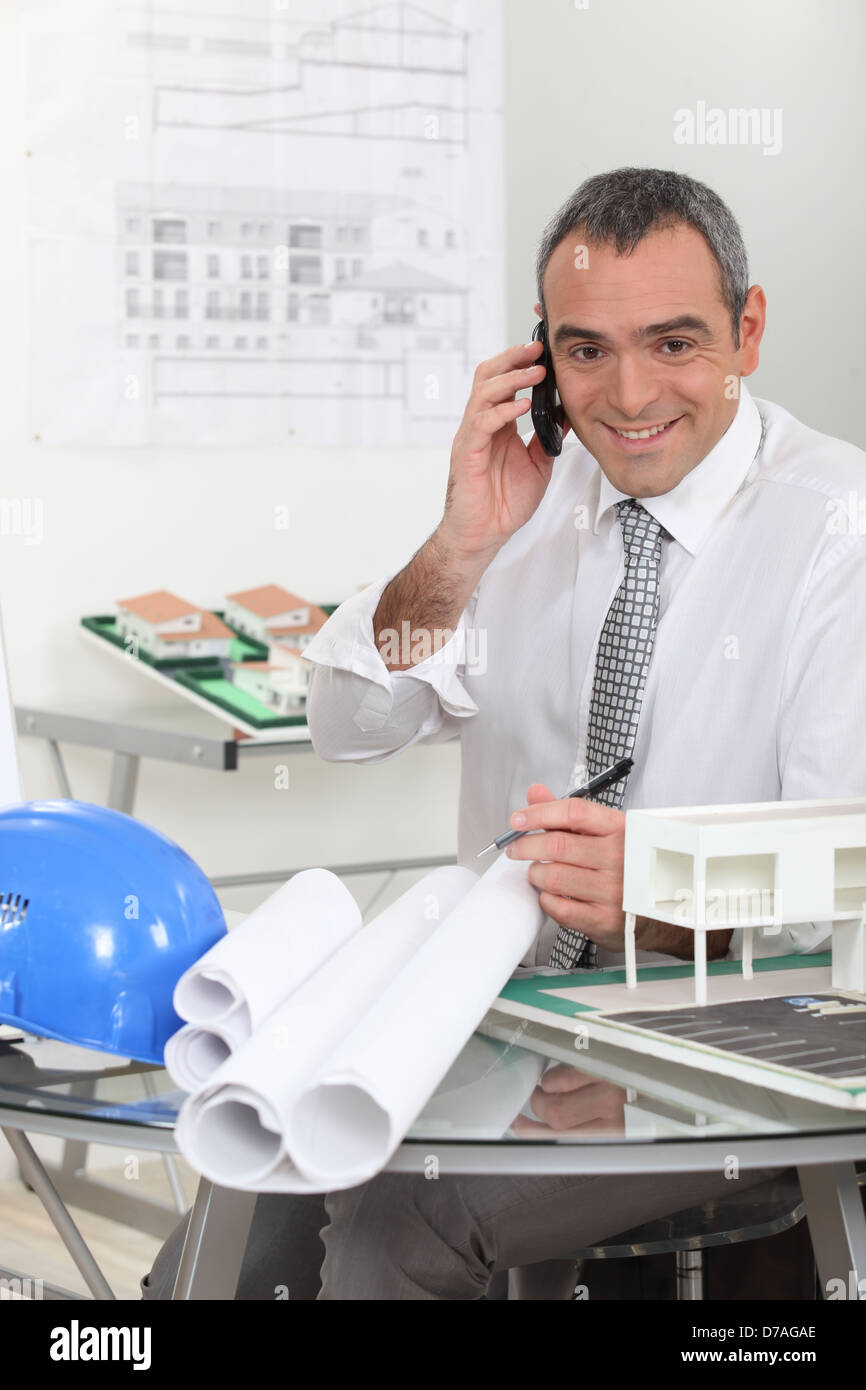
x: 641, y: 533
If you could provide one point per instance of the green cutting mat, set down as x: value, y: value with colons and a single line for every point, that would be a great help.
x: 530, y: 989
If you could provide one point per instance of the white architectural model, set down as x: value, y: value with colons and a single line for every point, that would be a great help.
x: 167, y: 627
x: 763, y: 864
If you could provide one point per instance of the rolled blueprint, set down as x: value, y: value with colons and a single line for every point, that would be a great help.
x: 345, y: 1126
x: 273, y: 951
x: 232, y: 1130
x: 194, y: 1052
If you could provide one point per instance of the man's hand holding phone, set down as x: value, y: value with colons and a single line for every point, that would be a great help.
x: 496, y: 482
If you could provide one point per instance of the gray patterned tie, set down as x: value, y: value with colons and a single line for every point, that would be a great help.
x: 621, y: 666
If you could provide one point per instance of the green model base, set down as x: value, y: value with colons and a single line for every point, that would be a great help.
x: 212, y: 685
x: 203, y: 674
x: 532, y: 989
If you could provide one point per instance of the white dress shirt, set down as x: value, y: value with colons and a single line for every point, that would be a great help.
x: 757, y: 683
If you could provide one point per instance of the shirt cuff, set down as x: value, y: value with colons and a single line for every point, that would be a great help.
x: 346, y: 641
x: 796, y: 939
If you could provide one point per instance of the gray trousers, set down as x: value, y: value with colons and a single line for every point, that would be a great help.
x: 404, y: 1236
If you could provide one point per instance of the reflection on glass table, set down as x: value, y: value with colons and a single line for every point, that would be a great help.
x: 520, y: 1098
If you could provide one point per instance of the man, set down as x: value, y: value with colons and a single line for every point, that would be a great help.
x: 684, y: 586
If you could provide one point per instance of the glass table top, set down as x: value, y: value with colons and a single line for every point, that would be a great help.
x: 515, y: 1081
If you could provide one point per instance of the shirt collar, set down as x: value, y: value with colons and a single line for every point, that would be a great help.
x: 689, y: 510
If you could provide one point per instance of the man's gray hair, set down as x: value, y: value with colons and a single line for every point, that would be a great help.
x: 622, y: 206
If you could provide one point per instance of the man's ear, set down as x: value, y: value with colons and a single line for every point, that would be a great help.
x: 752, y: 329
x: 538, y: 310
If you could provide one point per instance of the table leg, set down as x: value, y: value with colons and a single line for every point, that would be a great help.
x: 216, y: 1239
x: 630, y: 954
x: 837, y: 1225
x: 748, y: 943
x: 700, y: 965
x: 59, y: 768
x: 33, y: 1172
x: 690, y: 1275
x: 121, y: 788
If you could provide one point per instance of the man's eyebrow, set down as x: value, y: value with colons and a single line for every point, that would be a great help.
x: 691, y: 323
x: 684, y: 323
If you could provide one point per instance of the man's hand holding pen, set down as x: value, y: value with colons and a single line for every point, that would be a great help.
x: 578, y: 857
x: 577, y: 849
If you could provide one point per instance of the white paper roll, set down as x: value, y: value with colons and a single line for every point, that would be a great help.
x: 273, y: 951
x: 196, y: 1050
x: 232, y: 1131
x: 344, y: 1127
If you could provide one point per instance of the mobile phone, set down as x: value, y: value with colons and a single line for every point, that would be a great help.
x: 547, y: 412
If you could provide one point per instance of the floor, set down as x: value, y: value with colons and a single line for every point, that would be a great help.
x: 29, y: 1244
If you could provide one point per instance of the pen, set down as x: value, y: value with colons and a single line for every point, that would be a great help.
x: 603, y: 779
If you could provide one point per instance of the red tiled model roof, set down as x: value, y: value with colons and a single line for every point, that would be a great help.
x: 268, y: 600
x: 161, y: 606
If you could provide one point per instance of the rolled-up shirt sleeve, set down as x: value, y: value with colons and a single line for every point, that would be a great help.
x: 360, y: 711
x: 822, y: 716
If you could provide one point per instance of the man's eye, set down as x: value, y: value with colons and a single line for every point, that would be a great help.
x: 586, y: 349
x: 678, y: 344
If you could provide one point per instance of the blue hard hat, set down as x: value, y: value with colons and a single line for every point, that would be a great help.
x: 99, y: 917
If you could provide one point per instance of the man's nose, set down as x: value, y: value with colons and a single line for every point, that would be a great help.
x: 633, y: 392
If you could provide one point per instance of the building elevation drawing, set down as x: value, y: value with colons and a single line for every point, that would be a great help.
x: 284, y: 221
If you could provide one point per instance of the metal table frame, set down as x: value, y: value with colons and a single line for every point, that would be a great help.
x: 129, y: 742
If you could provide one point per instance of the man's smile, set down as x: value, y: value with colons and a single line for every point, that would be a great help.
x: 643, y: 438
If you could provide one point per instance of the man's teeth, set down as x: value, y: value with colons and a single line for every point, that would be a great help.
x: 643, y: 434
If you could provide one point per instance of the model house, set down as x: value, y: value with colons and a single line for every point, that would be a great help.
x: 280, y: 683
x: 167, y: 627
x: 757, y: 866
x: 273, y: 615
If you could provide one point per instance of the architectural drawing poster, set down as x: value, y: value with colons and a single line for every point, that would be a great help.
x: 262, y: 221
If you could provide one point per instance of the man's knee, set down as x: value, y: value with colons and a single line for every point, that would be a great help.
x: 399, y: 1236
x: 283, y: 1251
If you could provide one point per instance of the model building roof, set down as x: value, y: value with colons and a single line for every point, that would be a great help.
x: 211, y: 626
x: 268, y: 600
x: 158, y: 607
x: 318, y: 617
